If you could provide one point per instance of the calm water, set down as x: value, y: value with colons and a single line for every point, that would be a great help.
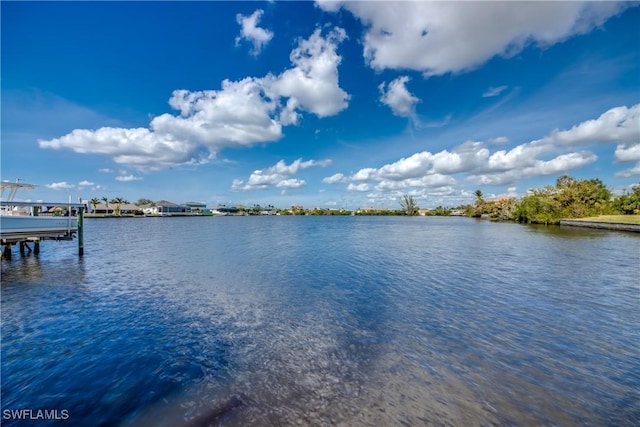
x: 325, y: 321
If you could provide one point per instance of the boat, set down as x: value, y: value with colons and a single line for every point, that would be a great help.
x: 26, y: 219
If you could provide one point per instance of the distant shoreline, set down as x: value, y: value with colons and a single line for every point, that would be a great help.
x: 610, y: 222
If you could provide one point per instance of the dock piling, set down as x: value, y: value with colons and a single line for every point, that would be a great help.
x: 80, y: 231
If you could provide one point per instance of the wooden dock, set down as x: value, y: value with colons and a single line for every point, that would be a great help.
x: 10, y: 238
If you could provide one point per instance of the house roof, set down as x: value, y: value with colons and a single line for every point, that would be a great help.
x: 112, y: 206
x: 166, y: 203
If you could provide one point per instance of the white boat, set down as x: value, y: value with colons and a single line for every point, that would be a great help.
x: 25, y: 219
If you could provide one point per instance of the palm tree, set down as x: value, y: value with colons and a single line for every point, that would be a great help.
x: 106, y: 202
x: 409, y: 205
x: 94, y: 202
x: 118, y: 201
x: 480, y: 204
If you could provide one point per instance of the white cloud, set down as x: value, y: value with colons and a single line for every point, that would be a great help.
x: 549, y: 155
x: 250, y: 31
x: 312, y: 85
x: 277, y: 175
x: 494, y: 91
x: 466, y: 157
x: 85, y: 183
x: 60, y: 186
x: 333, y: 179
x: 358, y: 187
x: 633, y: 172
x: 619, y: 125
x: 519, y: 157
x: 442, y: 37
x: 241, y: 113
x: 291, y: 183
x: 628, y: 152
x: 128, y: 178
x: 427, y: 181
x: 398, y: 98
x: 500, y: 140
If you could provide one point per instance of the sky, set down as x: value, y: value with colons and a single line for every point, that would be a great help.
x: 319, y: 104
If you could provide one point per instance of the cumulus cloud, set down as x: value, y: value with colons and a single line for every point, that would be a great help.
x: 619, y: 125
x: 250, y: 31
x: 557, y: 166
x: 85, y: 183
x: 628, y: 152
x: 494, y: 91
x: 338, y: 177
x: 396, y: 96
x: 242, y: 113
x: 441, y: 37
x: 291, y: 183
x: 278, y: 175
x: 312, y: 85
x: 551, y: 155
x: 633, y: 172
x: 363, y: 186
x: 63, y: 185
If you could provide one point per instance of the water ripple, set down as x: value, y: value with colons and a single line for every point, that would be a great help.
x: 326, y: 321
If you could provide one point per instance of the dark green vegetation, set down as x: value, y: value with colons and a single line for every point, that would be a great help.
x: 572, y: 198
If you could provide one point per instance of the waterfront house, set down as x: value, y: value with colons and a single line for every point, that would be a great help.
x: 166, y: 208
x: 198, y: 208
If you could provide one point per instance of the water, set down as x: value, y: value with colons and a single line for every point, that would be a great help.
x: 348, y: 321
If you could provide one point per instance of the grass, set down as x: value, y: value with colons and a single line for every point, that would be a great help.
x: 616, y: 219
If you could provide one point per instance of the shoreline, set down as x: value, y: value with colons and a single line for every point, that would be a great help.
x: 600, y: 224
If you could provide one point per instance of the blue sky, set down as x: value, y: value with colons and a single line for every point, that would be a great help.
x: 326, y: 104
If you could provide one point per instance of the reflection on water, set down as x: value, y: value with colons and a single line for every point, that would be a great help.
x: 326, y: 321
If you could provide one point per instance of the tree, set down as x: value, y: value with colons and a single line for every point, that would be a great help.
x: 94, y: 202
x: 106, y: 202
x: 409, y: 205
x: 629, y: 202
x: 118, y: 201
x: 143, y: 202
x: 480, y: 203
x: 569, y: 198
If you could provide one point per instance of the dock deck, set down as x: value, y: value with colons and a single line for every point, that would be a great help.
x: 68, y: 228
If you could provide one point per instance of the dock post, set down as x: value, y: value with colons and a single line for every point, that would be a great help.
x: 36, y: 247
x: 80, y: 231
x: 7, y: 252
x: 22, y: 248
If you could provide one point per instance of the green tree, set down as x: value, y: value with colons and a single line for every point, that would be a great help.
x: 480, y: 205
x: 538, y: 207
x: 106, y: 202
x: 409, y: 205
x: 582, y: 198
x: 569, y: 198
x: 94, y: 202
x: 118, y: 201
x: 143, y: 202
x: 629, y: 202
